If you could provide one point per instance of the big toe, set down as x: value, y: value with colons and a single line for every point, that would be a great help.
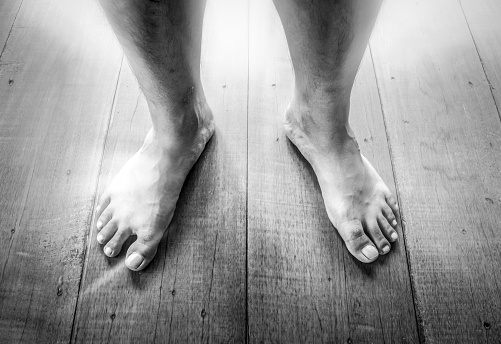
x: 357, y: 242
x: 141, y: 253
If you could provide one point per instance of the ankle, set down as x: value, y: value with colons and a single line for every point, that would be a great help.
x: 184, y: 123
x: 325, y: 125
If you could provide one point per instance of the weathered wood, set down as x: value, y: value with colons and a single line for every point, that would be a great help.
x: 57, y: 80
x: 194, y: 289
x: 304, y: 286
x: 445, y: 136
x: 484, y: 23
x: 8, y: 13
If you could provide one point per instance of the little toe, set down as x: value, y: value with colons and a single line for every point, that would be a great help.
x: 104, y: 201
x: 114, y: 246
x: 392, y: 202
x: 107, y: 232
x: 377, y: 237
x: 386, y: 229
x: 389, y: 215
x: 357, y: 242
x: 104, y: 218
x: 142, y: 252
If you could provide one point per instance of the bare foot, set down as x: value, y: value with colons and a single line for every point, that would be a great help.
x: 358, y: 202
x: 142, y: 197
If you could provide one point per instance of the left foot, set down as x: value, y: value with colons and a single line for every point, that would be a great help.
x: 358, y: 202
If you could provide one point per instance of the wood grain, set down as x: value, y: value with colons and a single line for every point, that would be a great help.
x: 53, y: 116
x: 445, y: 136
x: 304, y: 286
x: 71, y: 111
x: 194, y: 289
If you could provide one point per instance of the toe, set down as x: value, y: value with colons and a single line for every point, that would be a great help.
x: 142, y: 251
x: 386, y: 229
x: 392, y: 202
x: 377, y: 237
x: 389, y: 215
x: 104, y: 201
x: 114, y: 246
x: 107, y: 232
x: 357, y: 242
x: 104, y: 218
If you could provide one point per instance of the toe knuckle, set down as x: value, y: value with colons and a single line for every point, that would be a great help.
x: 148, y: 236
x: 355, y: 233
x: 122, y: 234
x: 376, y: 233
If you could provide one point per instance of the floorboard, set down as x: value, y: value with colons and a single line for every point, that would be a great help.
x: 194, y: 290
x: 304, y: 286
x: 485, y: 27
x: 251, y: 255
x: 8, y: 13
x: 445, y: 135
x: 56, y: 90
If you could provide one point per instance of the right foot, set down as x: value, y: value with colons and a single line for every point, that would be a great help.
x: 142, y: 197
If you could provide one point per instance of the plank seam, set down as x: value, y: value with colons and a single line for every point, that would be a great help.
x: 91, y: 214
x: 480, y: 58
x: 11, y: 27
x: 18, y: 220
x: 173, y: 297
x: 162, y: 280
x: 390, y: 151
x: 346, y: 295
x: 247, y: 333
x: 210, y: 291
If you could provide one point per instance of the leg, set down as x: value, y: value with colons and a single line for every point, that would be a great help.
x: 327, y: 40
x: 161, y: 40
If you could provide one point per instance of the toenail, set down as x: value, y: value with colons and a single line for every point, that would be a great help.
x: 394, y: 223
x: 99, y: 224
x: 100, y: 238
x: 394, y: 236
x: 370, y: 252
x: 108, y: 251
x: 386, y: 249
x: 134, y: 260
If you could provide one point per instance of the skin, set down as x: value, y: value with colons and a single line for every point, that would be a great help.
x: 327, y: 40
x: 161, y: 40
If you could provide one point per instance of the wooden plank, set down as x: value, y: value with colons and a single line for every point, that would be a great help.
x: 484, y: 22
x: 194, y: 290
x: 304, y: 286
x: 53, y: 117
x: 445, y: 136
x: 8, y: 13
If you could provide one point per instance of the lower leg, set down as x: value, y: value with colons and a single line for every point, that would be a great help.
x: 327, y: 40
x: 161, y: 40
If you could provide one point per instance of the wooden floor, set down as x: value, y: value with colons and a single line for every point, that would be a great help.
x: 251, y: 255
